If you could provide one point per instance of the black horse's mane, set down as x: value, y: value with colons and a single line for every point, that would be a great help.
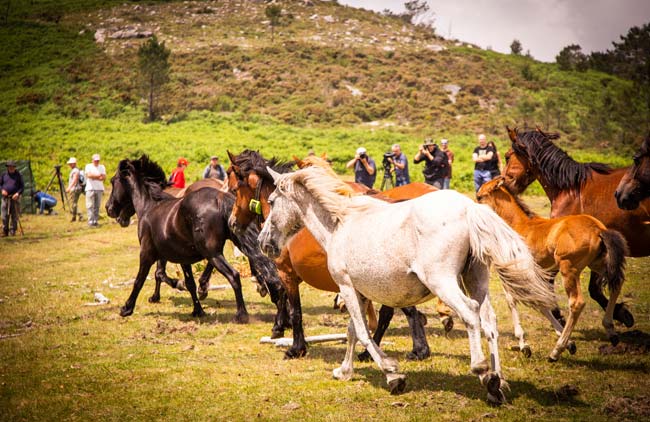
x: 149, y: 174
x: 555, y: 165
x: 252, y: 161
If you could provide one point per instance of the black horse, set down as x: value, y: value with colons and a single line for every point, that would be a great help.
x: 185, y: 230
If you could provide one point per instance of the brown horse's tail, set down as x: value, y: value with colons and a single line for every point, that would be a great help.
x: 615, y: 250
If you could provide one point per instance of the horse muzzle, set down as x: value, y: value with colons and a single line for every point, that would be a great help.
x: 268, y: 245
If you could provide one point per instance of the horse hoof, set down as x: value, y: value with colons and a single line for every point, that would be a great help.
x: 448, y: 324
x: 365, y: 356
x: 495, y: 395
x: 198, y: 313
x: 552, y: 359
x: 622, y: 314
x: 295, y: 353
x: 614, y: 340
x: 415, y: 355
x: 241, y: 319
x: 154, y: 299
x: 396, y: 383
x: 180, y: 285
x: 571, y: 347
x: 340, y: 375
x: 277, y: 333
x: 526, y: 351
x: 125, y: 312
x: 202, y: 294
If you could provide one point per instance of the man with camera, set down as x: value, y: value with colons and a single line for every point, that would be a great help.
x: 436, y: 163
x: 397, y: 158
x: 365, y: 171
x: 12, y: 186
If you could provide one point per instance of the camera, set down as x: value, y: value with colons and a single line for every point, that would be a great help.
x: 386, y: 162
x: 363, y: 156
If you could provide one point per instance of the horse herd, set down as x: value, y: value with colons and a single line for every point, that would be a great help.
x: 399, y: 247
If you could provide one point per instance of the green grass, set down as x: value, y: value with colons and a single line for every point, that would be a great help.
x: 67, y: 361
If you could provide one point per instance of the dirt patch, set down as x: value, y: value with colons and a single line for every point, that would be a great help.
x: 633, y: 342
x: 163, y: 327
x: 628, y: 406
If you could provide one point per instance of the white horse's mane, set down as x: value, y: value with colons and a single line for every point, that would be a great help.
x: 329, y: 191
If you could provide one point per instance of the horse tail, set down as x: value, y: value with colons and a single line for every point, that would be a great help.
x: 492, y: 241
x: 614, y: 249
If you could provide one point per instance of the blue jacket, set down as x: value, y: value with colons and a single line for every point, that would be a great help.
x: 38, y: 196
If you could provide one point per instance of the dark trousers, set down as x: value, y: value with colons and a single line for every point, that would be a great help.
x: 9, y: 209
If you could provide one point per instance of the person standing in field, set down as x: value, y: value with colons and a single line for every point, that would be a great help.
x: 401, y: 164
x: 74, y: 188
x: 444, y: 147
x: 435, y: 163
x: 12, y: 186
x: 365, y: 170
x: 177, y: 178
x: 95, y: 175
x: 214, y: 170
x: 482, y: 157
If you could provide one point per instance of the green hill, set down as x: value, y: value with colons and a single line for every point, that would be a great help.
x: 333, y: 78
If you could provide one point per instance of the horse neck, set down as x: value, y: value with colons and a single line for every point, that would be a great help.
x: 551, y: 190
x: 315, y: 218
x: 508, y: 209
x: 140, y: 196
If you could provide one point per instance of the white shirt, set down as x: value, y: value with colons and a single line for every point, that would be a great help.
x: 94, y: 184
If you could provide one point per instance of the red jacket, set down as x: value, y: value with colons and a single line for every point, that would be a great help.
x: 178, y: 178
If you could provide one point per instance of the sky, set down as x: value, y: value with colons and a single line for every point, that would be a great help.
x: 542, y: 26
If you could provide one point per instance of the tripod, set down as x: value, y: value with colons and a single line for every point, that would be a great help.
x: 388, y: 182
x: 56, y: 174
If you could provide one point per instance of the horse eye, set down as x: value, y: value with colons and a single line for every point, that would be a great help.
x: 637, y: 160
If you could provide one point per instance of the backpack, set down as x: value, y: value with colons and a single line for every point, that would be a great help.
x: 82, y: 181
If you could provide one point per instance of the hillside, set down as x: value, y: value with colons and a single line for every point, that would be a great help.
x: 330, y: 67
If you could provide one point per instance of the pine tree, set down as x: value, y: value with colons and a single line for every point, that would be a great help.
x: 154, y: 70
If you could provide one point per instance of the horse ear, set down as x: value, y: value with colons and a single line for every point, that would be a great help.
x: 500, y: 182
x: 299, y: 162
x: 231, y: 157
x: 324, y: 156
x: 512, y: 134
x: 274, y: 174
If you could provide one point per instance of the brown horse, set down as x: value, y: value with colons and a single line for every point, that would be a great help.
x: 635, y: 184
x: 566, y: 244
x: 302, y: 259
x: 203, y: 183
x: 577, y: 188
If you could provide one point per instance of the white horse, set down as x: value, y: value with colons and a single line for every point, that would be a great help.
x: 404, y: 254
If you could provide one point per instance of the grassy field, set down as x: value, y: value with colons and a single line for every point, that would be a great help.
x: 62, y: 360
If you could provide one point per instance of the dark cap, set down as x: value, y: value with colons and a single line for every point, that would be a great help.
x: 10, y: 163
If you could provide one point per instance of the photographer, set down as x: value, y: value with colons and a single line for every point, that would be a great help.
x: 401, y: 164
x: 365, y: 171
x: 436, y: 163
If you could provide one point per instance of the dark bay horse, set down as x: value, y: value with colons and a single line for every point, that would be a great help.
x: 182, y: 230
x: 577, y: 188
x: 304, y: 259
x: 634, y: 189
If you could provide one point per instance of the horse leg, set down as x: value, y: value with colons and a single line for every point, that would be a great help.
x: 145, y: 265
x: 372, y: 317
x: 385, y: 316
x: 444, y: 314
x: 571, y: 278
x: 204, y: 281
x: 519, y: 331
x: 418, y: 335
x: 356, y: 306
x: 191, y: 287
x: 476, y: 281
x: 220, y: 263
x: 608, y: 321
x: 621, y: 313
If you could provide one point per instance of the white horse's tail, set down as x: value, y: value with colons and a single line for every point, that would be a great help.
x: 492, y: 241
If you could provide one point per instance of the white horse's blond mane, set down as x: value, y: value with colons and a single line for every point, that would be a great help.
x: 331, y: 192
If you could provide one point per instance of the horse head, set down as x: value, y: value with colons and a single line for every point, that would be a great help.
x: 485, y: 194
x: 250, y: 182
x: 283, y: 220
x: 635, y: 184
x: 518, y: 174
x: 120, y: 202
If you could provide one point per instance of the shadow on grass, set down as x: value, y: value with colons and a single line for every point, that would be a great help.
x: 469, y: 386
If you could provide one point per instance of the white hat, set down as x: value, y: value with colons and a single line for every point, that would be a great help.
x: 72, y: 160
x: 444, y: 142
x: 361, y: 150
x: 95, y: 157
